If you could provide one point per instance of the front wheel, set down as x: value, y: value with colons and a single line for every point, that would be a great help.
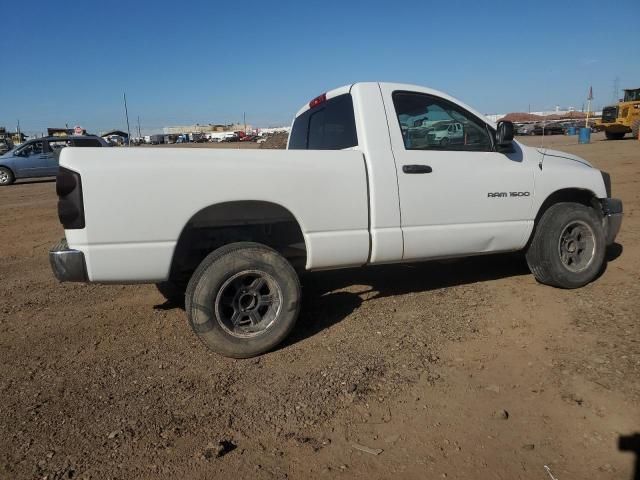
x: 243, y: 299
x: 6, y: 177
x: 568, y: 246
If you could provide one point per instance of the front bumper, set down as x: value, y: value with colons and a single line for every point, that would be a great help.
x: 612, y: 210
x: 67, y: 265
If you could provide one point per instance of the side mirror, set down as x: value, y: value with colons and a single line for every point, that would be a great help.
x: 504, y: 134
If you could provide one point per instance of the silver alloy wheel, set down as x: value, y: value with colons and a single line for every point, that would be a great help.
x: 577, y: 246
x: 4, y: 177
x: 248, y: 303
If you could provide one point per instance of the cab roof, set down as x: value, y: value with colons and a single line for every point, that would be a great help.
x: 391, y: 86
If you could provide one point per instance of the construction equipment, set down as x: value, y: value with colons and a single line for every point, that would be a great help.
x: 618, y: 120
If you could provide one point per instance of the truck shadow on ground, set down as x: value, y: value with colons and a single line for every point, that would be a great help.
x: 325, y: 303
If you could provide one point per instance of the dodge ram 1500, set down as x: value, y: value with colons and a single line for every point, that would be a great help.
x: 359, y: 184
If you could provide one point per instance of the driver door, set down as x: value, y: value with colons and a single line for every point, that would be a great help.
x: 29, y: 161
x: 451, y: 198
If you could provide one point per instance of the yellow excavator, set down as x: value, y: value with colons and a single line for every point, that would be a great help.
x: 618, y: 120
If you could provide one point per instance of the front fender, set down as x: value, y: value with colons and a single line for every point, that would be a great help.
x: 557, y: 174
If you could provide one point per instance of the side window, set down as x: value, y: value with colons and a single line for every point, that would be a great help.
x: 31, y: 149
x: 329, y: 126
x: 432, y: 123
x: 57, y: 145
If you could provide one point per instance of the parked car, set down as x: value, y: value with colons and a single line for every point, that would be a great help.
x: 231, y: 231
x: 116, y: 140
x: 39, y: 157
x: 445, y: 134
x: 526, y: 129
x: 548, y: 129
x: 156, y: 139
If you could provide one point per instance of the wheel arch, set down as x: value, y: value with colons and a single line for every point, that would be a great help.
x: 218, y: 224
x: 582, y: 196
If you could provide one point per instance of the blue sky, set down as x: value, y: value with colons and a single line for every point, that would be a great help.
x: 201, y: 62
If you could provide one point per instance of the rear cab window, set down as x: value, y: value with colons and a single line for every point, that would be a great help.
x: 328, y: 126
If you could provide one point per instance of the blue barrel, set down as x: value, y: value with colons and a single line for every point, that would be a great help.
x: 571, y: 131
x: 585, y: 135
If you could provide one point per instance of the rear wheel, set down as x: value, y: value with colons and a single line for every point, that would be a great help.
x: 568, y: 246
x: 243, y: 299
x: 6, y: 177
x: 614, y: 136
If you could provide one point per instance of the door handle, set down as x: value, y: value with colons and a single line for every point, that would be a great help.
x: 417, y: 169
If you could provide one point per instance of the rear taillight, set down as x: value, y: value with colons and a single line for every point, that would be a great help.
x: 318, y: 100
x: 70, y: 205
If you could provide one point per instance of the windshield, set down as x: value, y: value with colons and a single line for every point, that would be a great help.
x: 632, y: 95
x: 442, y: 127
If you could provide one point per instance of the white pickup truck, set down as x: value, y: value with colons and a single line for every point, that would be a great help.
x: 229, y: 229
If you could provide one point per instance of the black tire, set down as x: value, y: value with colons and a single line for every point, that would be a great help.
x: 6, y: 177
x: 549, y: 255
x: 444, y: 142
x: 614, y: 136
x: 635, y: 128
x: 211, y: 310
x: 172, y: 292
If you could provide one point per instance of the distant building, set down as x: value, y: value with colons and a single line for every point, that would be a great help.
x: 118, y: 133
x: 197, y: 128
x: 556, y: 114
x: 13, y: 137
x: 272, y: 130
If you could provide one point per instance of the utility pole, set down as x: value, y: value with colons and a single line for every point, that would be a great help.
x: 139, y: 134
x: 18, y: 132
x: 244, y: 120
x: 126, y: 112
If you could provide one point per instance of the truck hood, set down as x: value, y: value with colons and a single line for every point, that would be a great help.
x: 556, y: 153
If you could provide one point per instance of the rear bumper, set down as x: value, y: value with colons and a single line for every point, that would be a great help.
x: 67, y: 265
x: 612, y: 210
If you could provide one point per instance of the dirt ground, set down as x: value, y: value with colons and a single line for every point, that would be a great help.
x: 465, y: 370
